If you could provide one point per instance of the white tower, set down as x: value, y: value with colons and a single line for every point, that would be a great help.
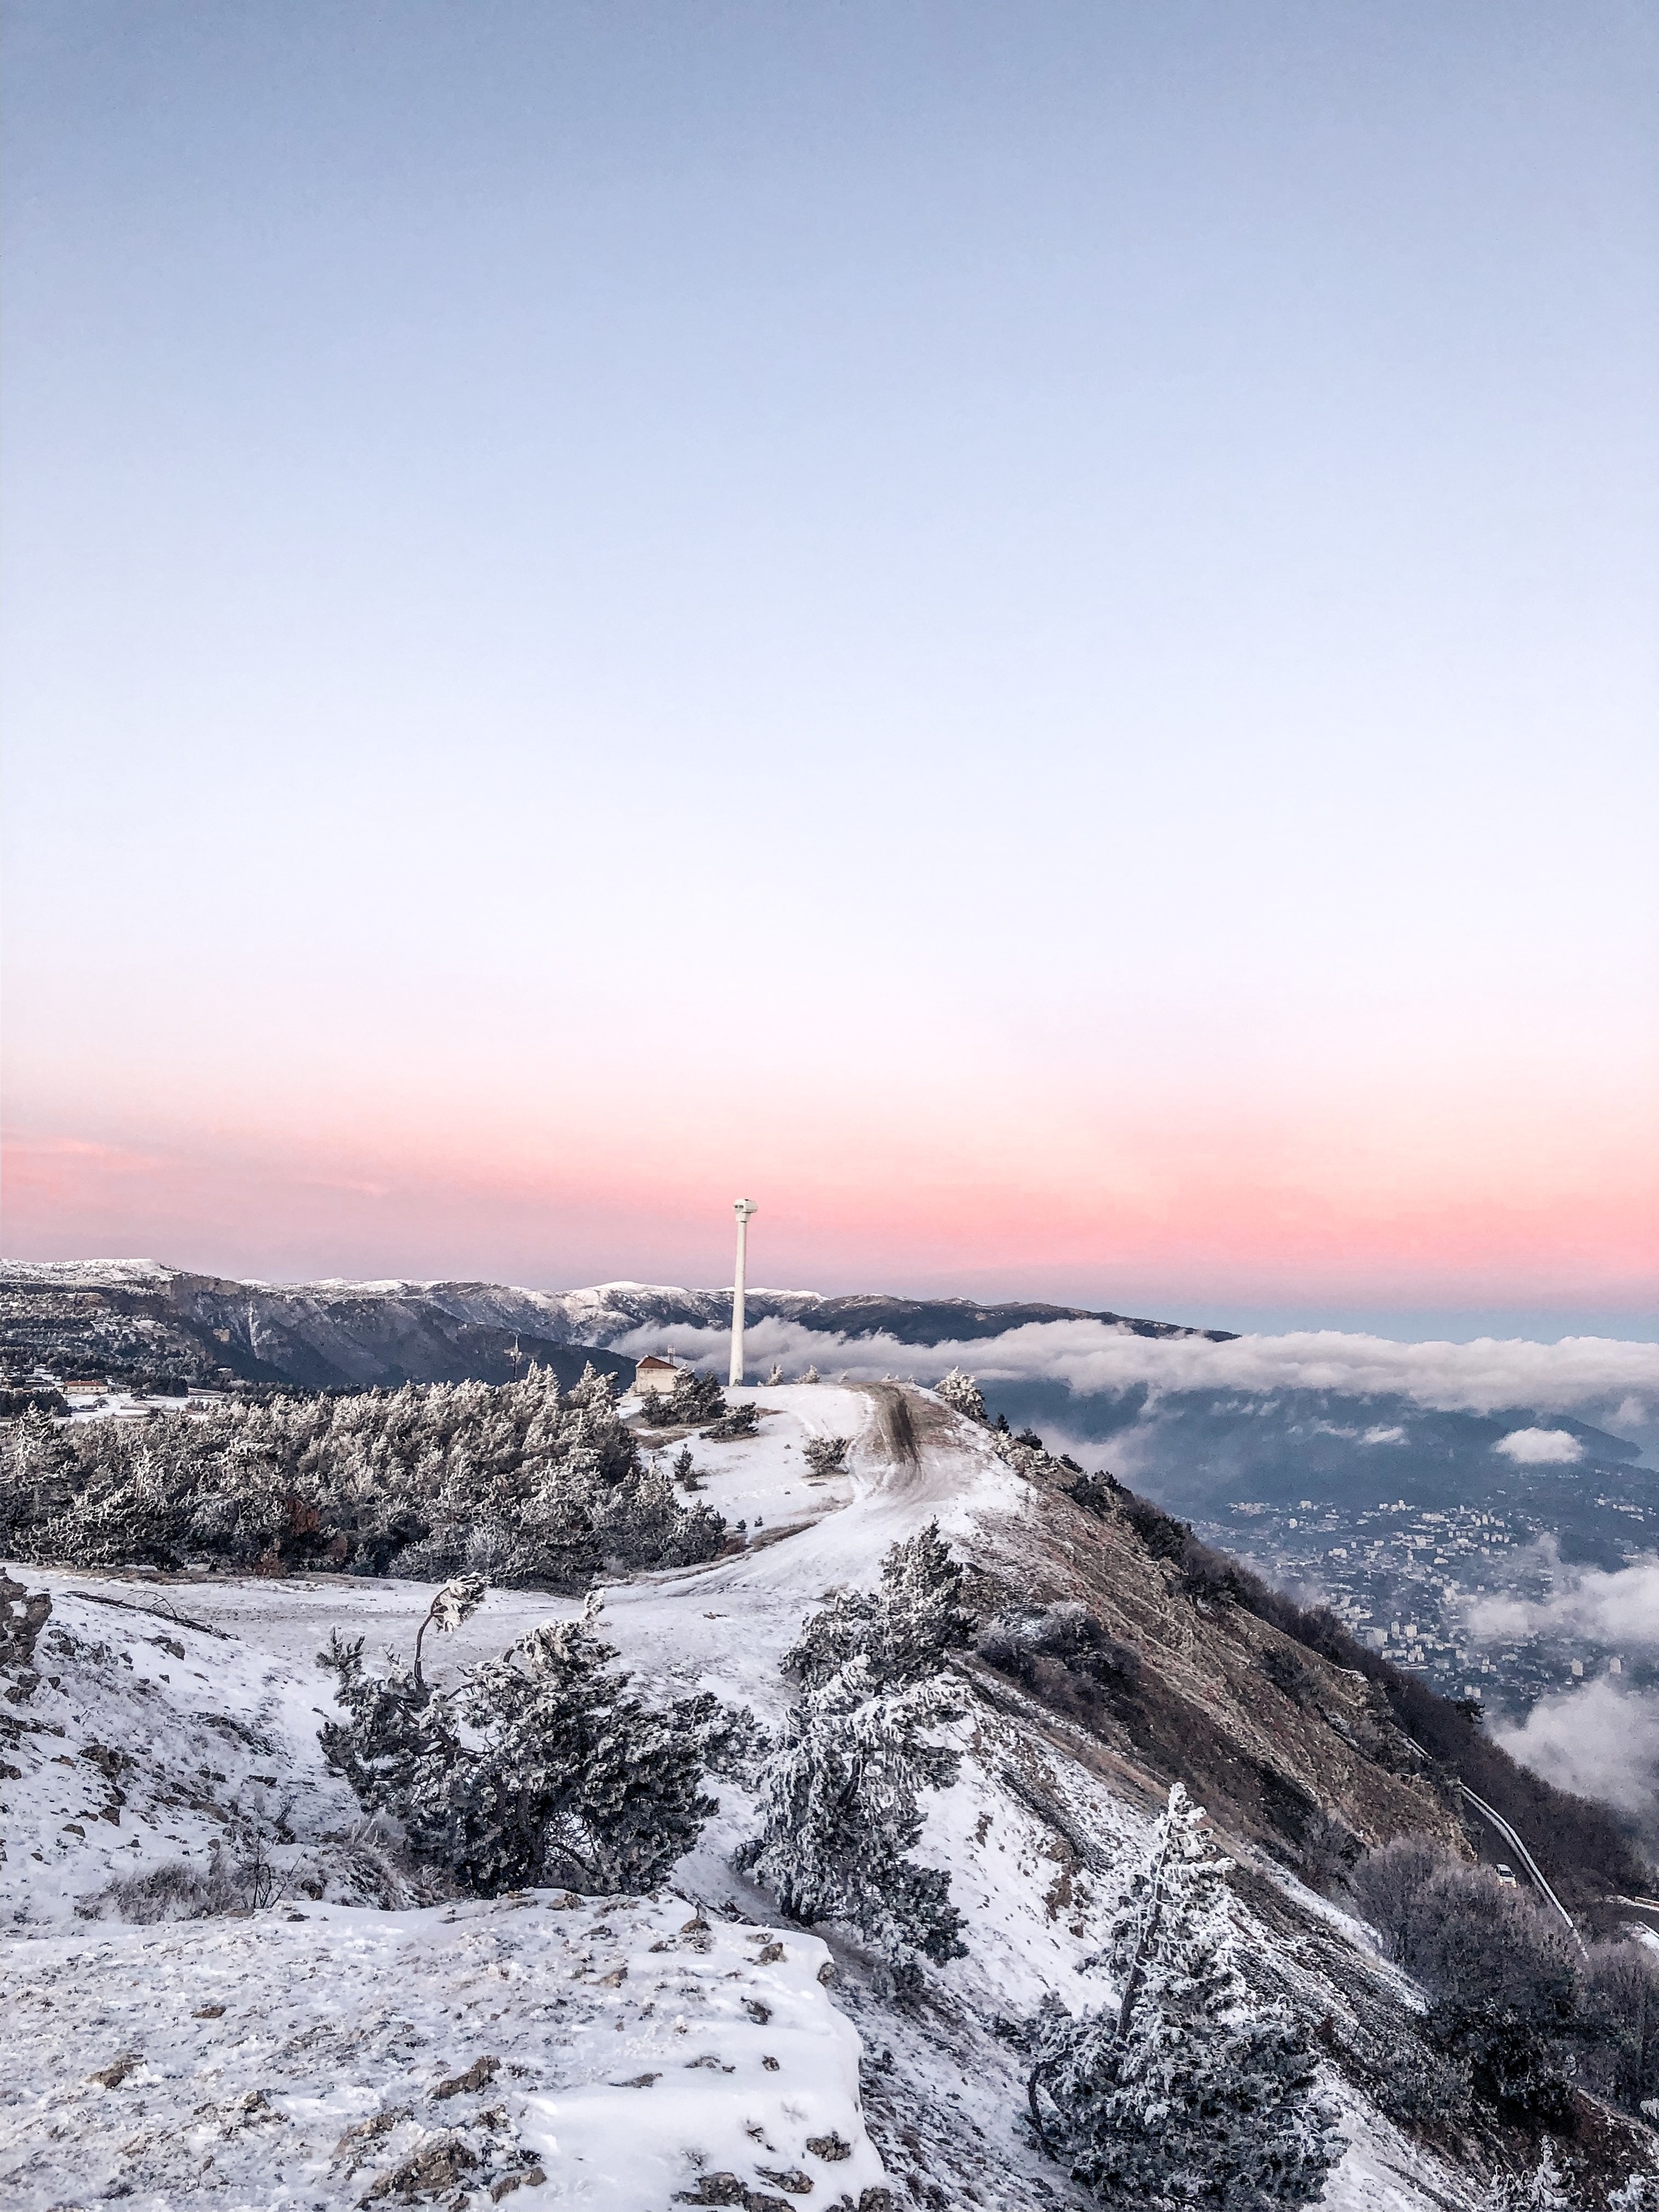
x: 743, y: 1208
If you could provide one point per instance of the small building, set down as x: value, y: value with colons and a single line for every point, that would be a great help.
x: 658, y: 1377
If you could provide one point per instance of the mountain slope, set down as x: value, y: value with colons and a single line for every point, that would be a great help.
x: 330, y: 1335
x: 1061, y: 1772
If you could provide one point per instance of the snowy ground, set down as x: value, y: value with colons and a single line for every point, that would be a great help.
x: 149, y: 1741
x: 603, y: 2054
x: 348, y: 2015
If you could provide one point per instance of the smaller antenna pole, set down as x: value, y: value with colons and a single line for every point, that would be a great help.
x: 743, y: 1208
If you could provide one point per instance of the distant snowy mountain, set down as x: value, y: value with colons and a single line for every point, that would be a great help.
x: 135, y: 1316
x: 139, y: 1314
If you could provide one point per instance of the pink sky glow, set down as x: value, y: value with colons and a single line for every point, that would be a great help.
x: 1026, y: 633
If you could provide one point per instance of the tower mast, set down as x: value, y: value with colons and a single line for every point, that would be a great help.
x: 743, y: 1208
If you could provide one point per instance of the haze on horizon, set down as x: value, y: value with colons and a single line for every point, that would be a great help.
x: 1028, y: 634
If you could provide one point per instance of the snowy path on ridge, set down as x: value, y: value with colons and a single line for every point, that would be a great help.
x: 837, y: 1534
x: 912, y: 1461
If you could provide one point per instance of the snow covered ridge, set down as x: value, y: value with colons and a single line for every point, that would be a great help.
x: 613, y: 2054
x: 1058, y: 1767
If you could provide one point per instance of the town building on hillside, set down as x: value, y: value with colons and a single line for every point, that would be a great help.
x: 657, y: 1376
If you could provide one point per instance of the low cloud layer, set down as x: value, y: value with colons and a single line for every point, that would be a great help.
x: 1616, y: 1608
x: 1597, y: 1741
x: 1601, y: 1379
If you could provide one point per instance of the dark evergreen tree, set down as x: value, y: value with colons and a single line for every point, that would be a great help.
x: 1185, y: 2092
x: 906, y: 1630
x: 536, y: 1767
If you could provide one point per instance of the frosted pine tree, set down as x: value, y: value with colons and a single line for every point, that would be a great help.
x: 962, y: 1392
x: 1186, y: 2092
x: 839, y: 1813
x: 598, y: 1392
x: 906, y: 1630
x: 839, y: 1796
x: 1543, y: 2190
x: 536, y: 1767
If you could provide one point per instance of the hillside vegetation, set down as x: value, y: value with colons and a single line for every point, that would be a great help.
x: 520, y: 1482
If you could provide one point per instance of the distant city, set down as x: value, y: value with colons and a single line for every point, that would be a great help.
x: 1405, y: 1581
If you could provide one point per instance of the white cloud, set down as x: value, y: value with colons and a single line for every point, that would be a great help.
x: 1596, y: 1377
x: 1618, y: 1607
x: 1540, y: 1447
x: 1395, y: 1435
x: 1599, y: 1741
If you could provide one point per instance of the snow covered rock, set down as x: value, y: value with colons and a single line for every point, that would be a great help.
x: 136, y: 1744
x: 611, y: 2054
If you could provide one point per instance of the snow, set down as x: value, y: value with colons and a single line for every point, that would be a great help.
x: 318, y: 2034
x: 148, y: 1742
x: 94, y: 1275
x: 635, y: 2049
x: 111, y: 1403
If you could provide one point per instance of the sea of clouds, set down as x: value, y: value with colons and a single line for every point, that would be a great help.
x: 1606, y: 1380
x: 1600, y: 1737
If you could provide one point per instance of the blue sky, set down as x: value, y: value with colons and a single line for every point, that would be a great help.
x: 1077, y: 581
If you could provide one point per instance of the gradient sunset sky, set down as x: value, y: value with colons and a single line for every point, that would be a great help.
x: 1027, y: 632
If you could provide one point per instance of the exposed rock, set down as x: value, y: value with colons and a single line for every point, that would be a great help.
x: 23, y: 1614
x: 437, y: 2165
x: 478, y: 2076
x: 112, y: 2075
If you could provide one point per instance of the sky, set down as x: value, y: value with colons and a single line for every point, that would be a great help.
x: 1026, y: 633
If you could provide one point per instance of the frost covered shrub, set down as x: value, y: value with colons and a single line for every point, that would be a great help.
x: 962, y: 1393
x: 1620, y: 2002
x: 536, y: 1767
x: 1502, y: 1977
x: 1288, y: 1672
x: 172, y: 1891
x: 736, y: 1421
x: 1420, y: 2085
x: 514, y: 1480
x: 1165, y: 1537
x: 245, y: 1879
x: 1014, y: 1642
x: 839, y: 1809
x: 1541, y: 2188
x: 826, y: 1455
x: 905, y: 1630
x: 694, y: 1398
x: 1186, y: 2091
